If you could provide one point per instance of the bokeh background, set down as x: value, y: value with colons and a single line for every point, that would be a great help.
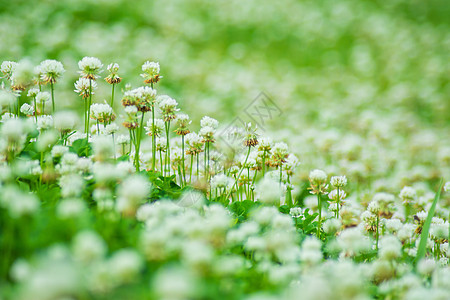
x: 363, y: 85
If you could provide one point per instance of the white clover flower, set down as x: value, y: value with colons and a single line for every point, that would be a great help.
x: 42, y: 97
x: 7, y: 68
x: 183, y: 120
x: 122, y: 139
x: 158, y: 129
x: 27, y: 109
x: 65, y: 120
x: 426, y: 266
x: 393, y: 225
x: 44, y: 122
x: 50, y: 70
x: 88, y: 246
x: 194, y: 142
x: 84, y: 164
x: 131, y: 193
x: 352, y: 242
x: 71, y: 185
x: 390, y: 248
x: 125, y: 265
x: 221, y: 181
x: 168, y: 107
x: 23, y: 204
x: 22, y: 75
x: 265, y: 144
x: 268, y: 191
x: 90, y: 67
x: 20, y: 270
x: 113, y: 68
x: 317, y: 176
x: 338, y: 181
x: 207, y: 121
x: 70, y: 208
x: 85, y: 87
x: 46, y: 140
x: 333, y: 195
x: 102, y: 112
x: 331, y: 226
x: 291, y: 163
x: 33, y: 92
x: 439, y: 231
x: 311, y: 253
x: 151, y: 72
x: 131, y: 110
x: 111, y: 128
x: 175, y: 283
x: 408, y: 194
x: 6, y: 98
x: 13, y: 130
x: 207, y: 133
x: 447, y: 186
x: 296, y: 212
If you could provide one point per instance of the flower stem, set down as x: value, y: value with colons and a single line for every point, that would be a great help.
x: 182, y: 160
x: 53, y: 97
x: 378, y: 229
x: 138, y: 143
x: 153, y: 139
x: 89, y: 109
x: 239, y: 174
x: 319, y: 204
x: 35, y: 109
x: 112, y: 96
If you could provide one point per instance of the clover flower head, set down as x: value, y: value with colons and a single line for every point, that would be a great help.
x: 113, y: 78
x: 102, y: 112
x: 207, y: 121
x: 85, y: 87
x: 90, y: 67
x: 168, y: 107
x: 7, y: 68
x: 151, y: 72
x: 42, y: 97
x: 338, y: 181
x: 50, y: 70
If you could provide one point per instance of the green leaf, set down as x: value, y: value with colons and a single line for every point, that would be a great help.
x: 426, y: 226
x: 81, y: 147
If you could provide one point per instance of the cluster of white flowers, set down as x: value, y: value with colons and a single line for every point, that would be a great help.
x: 50, y: 70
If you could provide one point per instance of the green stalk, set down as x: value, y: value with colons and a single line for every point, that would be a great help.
x: 138, y: 143
x: 53, y: 97
x: 264, y: 163
x: 112, y: 95
x: 378, y: 231
x: 289, y: 193
x: 35, y: 109
x: 168, y: 148
x: 426, y: 226
x: 161, y: 161
x: 204, y: 164
x: 208, y: 144
x: 337, y: 202
x: 153, y: 139
x: 190, y: 169
x: 239, y: 174
x: 319, y: 226
x: 89, y: 108
x: 182, y: 158
x: 198, y: 174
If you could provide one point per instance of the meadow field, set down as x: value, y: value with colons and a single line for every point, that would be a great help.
x: 193, y: 149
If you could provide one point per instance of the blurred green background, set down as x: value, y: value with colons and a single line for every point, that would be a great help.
x: 349, y: 75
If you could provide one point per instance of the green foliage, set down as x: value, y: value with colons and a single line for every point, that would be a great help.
x: 421, y: 251
x: 81, y: 147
